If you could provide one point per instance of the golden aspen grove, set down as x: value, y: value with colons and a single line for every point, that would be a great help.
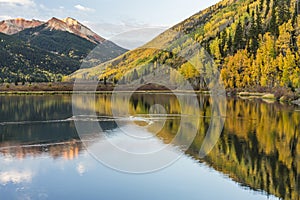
x: 254, y: 43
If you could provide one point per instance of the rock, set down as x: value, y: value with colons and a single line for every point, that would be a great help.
x: 283, y: 99
x: 244, y: 94
x: 252, y: 94
x: 297, y: 102
x: 269, y: 96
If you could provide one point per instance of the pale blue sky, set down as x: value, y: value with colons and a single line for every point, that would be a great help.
x: 108, y: 17
x: 154, y: 12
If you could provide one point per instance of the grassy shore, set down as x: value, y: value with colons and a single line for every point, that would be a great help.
x: 69, y: 88
x: 276, y: 94
x: 282, y: 94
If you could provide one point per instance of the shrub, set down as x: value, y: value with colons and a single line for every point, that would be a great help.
x: 283, y: 92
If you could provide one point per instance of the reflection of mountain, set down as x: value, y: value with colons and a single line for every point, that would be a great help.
x: 33, y: 125
x: 258, y: 148
x: 67, y: 150
x: 34, y: 108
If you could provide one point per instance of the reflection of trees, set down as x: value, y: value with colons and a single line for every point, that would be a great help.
x: 259, y: 145
x: 32, y: 134
x: 35, y: 107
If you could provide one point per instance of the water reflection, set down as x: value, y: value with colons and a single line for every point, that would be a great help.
x: 15, y: 177
x: 258, y: 148
x: 67, y: 150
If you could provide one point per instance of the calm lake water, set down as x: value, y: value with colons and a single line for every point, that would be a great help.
x: 42, y: 157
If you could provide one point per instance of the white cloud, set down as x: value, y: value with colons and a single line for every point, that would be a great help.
x: 82, y: 8
x: 10, y: 9
x: 81, y: 169
x: 136, y: 37
x: 15, y: 177
x: 126, y: 34
x: 5, y: 17
x: 18, y: 2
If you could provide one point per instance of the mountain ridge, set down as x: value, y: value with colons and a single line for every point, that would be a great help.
x: 71, y: 25
x: 67, y: 42
x: 13, y: 26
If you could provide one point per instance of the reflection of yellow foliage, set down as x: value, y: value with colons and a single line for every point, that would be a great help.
x: 258, y: 147
x: 269, y: 159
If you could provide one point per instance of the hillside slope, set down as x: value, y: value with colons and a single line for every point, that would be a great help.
x: 65, y: 43
x: 253, y: 43
x: 21, y: 61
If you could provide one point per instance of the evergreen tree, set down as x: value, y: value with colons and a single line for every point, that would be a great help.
x: 222, y: 45
x: 267, y: 8
x: 238, y: 37
x: 261, y: 5
x: 229, y: 45
x: 273, y: 27
x: 105, y: 80
x: 253, y: 36
x: 283, y: 11
x: 135, y: 75
x: 259, y: 28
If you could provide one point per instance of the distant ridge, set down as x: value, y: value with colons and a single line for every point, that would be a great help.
x: 71, y: 25
x: 12, y: 26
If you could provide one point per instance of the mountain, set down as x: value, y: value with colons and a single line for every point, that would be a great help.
x: 70, y: 38
x: 62, y: 40
x: 254, y: 43
x: 73, y: 26
x: 12, y: 26
x: 24, y: 62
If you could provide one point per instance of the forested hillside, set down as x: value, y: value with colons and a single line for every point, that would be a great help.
x: 254, y: 43
x: 261, y: 46
x: 49, y: 50
x: 20, y: 61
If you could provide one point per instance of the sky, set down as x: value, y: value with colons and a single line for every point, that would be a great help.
x: 109, y: 18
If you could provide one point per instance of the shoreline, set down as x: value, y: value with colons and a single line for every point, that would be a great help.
x: 262, y: 96
x: 67, y: 88
x: 99, y: 92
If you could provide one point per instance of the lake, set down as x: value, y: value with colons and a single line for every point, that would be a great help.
x: 42, y: 156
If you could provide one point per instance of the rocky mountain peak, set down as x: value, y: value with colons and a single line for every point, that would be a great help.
x: 12, y: 26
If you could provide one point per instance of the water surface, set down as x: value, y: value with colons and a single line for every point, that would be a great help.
x: 42, y: 156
